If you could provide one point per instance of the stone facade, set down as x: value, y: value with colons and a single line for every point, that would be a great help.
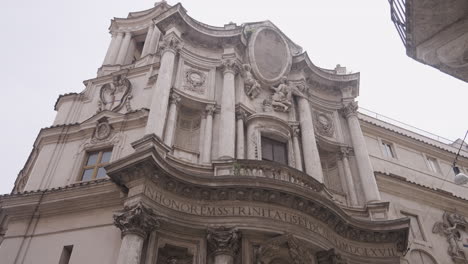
x: 202, y: 144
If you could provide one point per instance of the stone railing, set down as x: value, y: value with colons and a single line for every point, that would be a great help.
x: 267, y: 169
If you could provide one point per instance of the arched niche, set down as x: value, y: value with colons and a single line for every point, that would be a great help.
x: 266, y: 127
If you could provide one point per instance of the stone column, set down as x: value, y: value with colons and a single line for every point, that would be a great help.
x: 154, y: 40
x: 297, y: 149
x: 223, y: 243
x: 309, y: 146
x: 148, y: 39
x: 162, y: 86
x: 206, y: 153
x: 366, y: 172
x: 113, y: 49
x: 227, y: 135
x: 240, y: 141
x: 135, y: 222
x: 124, y: 48
x: 348, y: 177
x: 171, y: 119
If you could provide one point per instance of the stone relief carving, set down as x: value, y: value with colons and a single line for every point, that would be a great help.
x: 223, y: 240
x: 103, y: 130
x: 251, y: 85
x: 170, y: 254
x: 136, y: 219
x: 115, y: 95
x: 349, y: 109
x: 271, y: 249
x: 281, y: 99
x: 330, y: 257
x: 194, y: 81
x: 324, y: 124
x: 453, y: 227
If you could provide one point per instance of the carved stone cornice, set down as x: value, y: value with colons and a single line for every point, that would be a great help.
x: 350, y: 109
x: 136, y: 219
x: 170, y: 43
x: 223, y: 240
x: 230, y: 65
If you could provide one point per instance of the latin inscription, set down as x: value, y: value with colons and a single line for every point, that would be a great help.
x: 270, y: 213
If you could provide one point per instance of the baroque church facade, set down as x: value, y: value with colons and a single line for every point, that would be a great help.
x: 224, y: 145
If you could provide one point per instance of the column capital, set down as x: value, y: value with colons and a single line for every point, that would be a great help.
x: 230, y: 65
x: 345, y: 152
x: 210, y: 109
x: 349, y: 109
x: 171, y: 43
x: 223, y: 240
x: 175, y: 98
x: 241, y: 114
x: 136, y: 219
x: 296, y: 130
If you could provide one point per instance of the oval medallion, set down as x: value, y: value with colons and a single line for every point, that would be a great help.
x: 269, y: 55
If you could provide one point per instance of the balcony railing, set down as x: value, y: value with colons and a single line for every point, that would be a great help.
x: 267, y: 169
x: 398, y: 15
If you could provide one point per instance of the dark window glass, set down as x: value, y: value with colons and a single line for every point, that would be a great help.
x: 274, y: 150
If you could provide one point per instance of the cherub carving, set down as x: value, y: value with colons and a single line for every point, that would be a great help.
x: 281, y: 99
x: 251, y: 85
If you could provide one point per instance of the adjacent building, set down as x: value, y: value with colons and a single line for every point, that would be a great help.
x: 203, y: 144
x: 434, y: 32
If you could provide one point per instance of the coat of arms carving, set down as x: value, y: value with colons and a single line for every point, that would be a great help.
x: 115, y: 95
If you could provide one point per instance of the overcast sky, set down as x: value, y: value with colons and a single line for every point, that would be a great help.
x: 49, y: 47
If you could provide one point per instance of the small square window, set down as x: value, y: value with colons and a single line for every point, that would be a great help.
x: 433, y: 164
x: 94, y: 165
x: 274, y: 150
x: 388, y: 149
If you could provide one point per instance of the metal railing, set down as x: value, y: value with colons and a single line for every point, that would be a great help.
x: 398, y: 16
x: 405, y: 126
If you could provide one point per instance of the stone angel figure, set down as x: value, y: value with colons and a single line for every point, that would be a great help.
x: 281, y: 100
x: 251, y: 85
x: 448, y: 228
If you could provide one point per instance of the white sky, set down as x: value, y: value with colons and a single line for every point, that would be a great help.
x: 49, y: 47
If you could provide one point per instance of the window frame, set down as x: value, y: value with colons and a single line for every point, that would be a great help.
x: 383, y: 147
x: 95, y: 166
x: 274, y: 142
x: 430, y: 160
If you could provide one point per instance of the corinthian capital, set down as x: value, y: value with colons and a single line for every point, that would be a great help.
x: 223, y: 240
x: 171, y: 43
x: 175, y: 98
x: 230, y: 65
x: 350, y: 109
x: 136, y: 219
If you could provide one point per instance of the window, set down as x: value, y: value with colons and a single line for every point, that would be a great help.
x: 388, y: 150
x: 66, y: 254
x: 94, y: 166
x: 415, y: 227
x: 433, y: 165
x: 274, y: 150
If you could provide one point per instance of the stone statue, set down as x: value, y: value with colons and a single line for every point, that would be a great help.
x: 281, y: 99
x: 251, y: 85
x: 449, y: 229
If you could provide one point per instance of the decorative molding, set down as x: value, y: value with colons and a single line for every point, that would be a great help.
x: 296, y: 130
x: 175, y: 98
x: 350, y: 109
x: 136, y: 219
x: 117, y: 94
x: 452, y: 227
x: 241, y: 114
x: 210, y: 109
x: 102, y: 131
x: 251, y: 85
x: 170, y: 43
x: 223, y: 240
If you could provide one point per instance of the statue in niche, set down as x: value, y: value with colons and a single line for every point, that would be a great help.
x: 281, y: 100
x: 251, y: 85
x: 113, y: 96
